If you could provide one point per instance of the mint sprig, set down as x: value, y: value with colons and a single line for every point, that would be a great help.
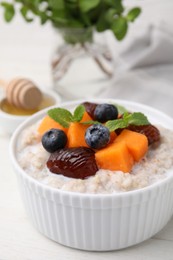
x: 78, y: 113
x: 64, y: 117
x: 135, y: 118
x: 99, y: 15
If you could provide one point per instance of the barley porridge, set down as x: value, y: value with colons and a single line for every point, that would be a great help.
x: 153, y: 167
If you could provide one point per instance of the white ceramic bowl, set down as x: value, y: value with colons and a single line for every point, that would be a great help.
x: 10, y: 122
x: 96, y: 222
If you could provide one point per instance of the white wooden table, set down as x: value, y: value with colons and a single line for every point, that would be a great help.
x: 26, y: 50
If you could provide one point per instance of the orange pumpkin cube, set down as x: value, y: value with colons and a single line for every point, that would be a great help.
x: 115, y: 157
x: 86, y: 117
x: 136, y: 143
x: 76, y: 135
x: 47, y: 123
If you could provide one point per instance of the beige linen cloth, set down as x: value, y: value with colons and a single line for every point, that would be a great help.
x: 143, y: 62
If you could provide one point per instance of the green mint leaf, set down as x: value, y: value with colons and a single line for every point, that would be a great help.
x: 117, y: 5
x: 57, y: 5
x: 78, y: 113
x: 101, y: 15
x: 133, y: 14
x: 126, y: 116
x: 24, y: 11
x: 9, y: 11
x: 137, y: 118
x: 61, y: 115
x: 102, y: 23
x: 86, y: 5
x: 43, y: 18
x: 112, y: 125
x: 119, y: 27
x: 65, y: 117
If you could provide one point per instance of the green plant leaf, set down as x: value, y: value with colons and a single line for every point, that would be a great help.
x: 119, y: 27
x: 43, y: 18
x: 64, y: 117
x: 102, y: 24
x: 109, y: 15
x: 78, y: 113
x: 105, y: 20
x: 72, y: 5
x: 116, y: 4
x: 112, y: 125
x: 61, y: 115
x: 85, y: 19
x: 87, y: 5
x: 59, y: 17
x: 101, y: 15
x: 24, y: 11
x: 9, y: 11
x: 137, y: 118
x: 133, y: 14
x: 56, y: 5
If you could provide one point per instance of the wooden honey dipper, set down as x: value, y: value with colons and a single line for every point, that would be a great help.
x: 22, y: 93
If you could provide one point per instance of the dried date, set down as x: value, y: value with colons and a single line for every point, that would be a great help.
x: 76, y: 163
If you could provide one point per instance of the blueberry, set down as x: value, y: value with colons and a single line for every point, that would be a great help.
x: 53, y: 140
x: 97, y: 136
x: 105, y: 112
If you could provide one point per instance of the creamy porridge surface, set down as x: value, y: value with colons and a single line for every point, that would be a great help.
x: 153, y: 167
